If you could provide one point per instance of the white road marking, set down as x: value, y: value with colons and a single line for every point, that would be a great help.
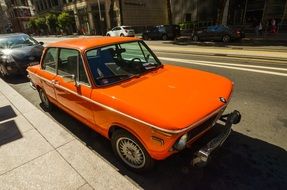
x: 230, y: 66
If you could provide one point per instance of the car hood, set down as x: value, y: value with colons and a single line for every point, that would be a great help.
x: 171, y: 97
x: 27, y: 53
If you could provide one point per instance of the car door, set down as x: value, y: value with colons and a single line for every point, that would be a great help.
x: 116, y: 31
x: 72, y: 87
x: 48, y: 72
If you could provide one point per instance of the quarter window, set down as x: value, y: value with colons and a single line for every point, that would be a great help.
x: 50, y: 60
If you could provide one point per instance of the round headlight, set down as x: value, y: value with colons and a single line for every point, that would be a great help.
x: 181, y: 143
x: 7, y: 51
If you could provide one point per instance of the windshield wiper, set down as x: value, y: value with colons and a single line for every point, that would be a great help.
x: 112, y: 76
x: 150, y: 66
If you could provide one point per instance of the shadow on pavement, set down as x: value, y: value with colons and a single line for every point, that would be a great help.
x: 16, y: 79
x: 242, y: 163
x: 9, y: 132
x: 6, y: 112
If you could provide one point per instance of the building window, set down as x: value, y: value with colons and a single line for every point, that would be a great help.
x: 187, y: 17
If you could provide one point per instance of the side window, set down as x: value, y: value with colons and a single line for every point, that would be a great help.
x: 50, y: 60
x: 68, y: 64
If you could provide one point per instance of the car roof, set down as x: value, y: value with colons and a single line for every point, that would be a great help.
x: 84, y: 43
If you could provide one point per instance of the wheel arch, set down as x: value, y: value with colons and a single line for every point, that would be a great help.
x: 117, y: 126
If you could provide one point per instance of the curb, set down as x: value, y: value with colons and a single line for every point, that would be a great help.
x: 226, y: 55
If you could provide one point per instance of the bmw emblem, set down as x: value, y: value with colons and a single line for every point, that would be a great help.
x: 223, y: 100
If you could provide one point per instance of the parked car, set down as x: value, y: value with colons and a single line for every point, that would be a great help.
x: 121, y: 31
x: 17, y: 51
x: 118, y: 87
x: 217, y: 33
x: 162, y: 32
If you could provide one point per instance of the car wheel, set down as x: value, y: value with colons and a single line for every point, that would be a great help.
x: 195, y: 38
x: 122, y: 35
x: 145, y: 37
x: 108, y: 35
x: 131, y: 152
x: 3, y: 72
x: 226, y: 38
x: 44, y: 99
x: 164, y: 37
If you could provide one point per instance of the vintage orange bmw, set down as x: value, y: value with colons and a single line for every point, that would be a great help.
x: 118, y: 87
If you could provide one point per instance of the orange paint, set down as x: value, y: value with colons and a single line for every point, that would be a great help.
x: 165, y: 103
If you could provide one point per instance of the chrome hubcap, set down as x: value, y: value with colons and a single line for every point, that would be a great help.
x: 130, y: 152
x: 44, y: 99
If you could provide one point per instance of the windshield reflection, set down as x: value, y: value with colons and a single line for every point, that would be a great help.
x: 16, y: 41
x: 119, y: 62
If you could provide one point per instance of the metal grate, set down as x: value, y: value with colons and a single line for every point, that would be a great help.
x: 200, y: 128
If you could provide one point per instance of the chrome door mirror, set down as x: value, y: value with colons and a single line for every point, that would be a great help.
x: 71, y: 78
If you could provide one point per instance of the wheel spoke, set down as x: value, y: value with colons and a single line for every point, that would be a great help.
x: 130, y: 152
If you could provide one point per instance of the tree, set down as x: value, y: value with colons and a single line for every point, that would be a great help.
x: 64, y: 20
x: 169, y: 13
x: 52, y: 22
x: 40, y: 23
x: 32, y: 25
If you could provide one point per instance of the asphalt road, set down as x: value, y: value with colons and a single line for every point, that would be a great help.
x: 253, y: 157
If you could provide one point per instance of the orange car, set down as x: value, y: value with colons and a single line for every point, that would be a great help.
x: 118, y: 87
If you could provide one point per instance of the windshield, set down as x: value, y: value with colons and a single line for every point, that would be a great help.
x: 119, y: 62
x: 16, y: 41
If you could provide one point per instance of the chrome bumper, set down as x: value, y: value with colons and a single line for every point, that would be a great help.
x: 201, y: 157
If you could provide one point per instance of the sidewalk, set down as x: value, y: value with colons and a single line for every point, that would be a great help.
x: 37, y: 153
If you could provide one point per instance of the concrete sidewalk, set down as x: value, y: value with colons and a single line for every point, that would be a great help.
x: 37, y: 153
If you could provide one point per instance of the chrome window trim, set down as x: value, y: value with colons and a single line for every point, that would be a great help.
x: 138, y: 120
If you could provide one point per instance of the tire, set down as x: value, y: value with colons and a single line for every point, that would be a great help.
x: 108, y: 35
x: 122, y: 35
x: 145, y: 37
x: 131, y: 152
x: 3, y: 72
x: 226, y: 38
x: 164, y: 37
x: 44, y: 100
x: 195, y: 38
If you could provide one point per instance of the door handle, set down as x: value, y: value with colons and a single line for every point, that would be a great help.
x: 55, y: 82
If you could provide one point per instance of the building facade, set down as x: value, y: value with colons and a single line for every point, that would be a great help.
x: 19, y: 12
x: 231, y: 12
x: 5, y: 25
x: 98, y: 16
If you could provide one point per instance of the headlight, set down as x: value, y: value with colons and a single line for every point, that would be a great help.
x: 180, y: 144
x: 7, y: 51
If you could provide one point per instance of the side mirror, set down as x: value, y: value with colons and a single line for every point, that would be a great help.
x: 41, y: 43
x: 71, y: 78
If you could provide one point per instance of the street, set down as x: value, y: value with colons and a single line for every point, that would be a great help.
x: 254, y: 156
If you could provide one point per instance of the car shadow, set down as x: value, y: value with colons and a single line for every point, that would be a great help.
x: 242, y: 163
x: 16, y: 79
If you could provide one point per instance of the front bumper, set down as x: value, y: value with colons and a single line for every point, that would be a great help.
x: 202, y: 156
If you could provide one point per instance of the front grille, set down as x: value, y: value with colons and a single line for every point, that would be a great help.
x: 200, y: 128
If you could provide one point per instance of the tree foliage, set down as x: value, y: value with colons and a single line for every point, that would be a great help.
x: 64, y: 20
x: 51, y: 20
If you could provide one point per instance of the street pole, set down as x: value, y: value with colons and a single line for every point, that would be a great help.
x: 245, y: 9
x: 100, y: 14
